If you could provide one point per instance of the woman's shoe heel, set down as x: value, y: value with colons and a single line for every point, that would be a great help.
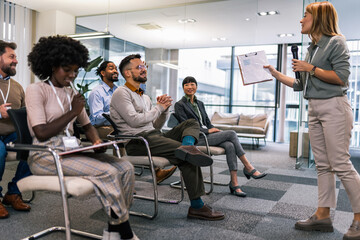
x: 234, y: 192
x: 251, y: 174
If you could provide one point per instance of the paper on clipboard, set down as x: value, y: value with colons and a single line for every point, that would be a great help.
x: 252, y: 68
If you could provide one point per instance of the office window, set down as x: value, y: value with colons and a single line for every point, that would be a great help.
x: 211, y: 69
x: 112, y: 49
x: 255, y: 98
x: 354, y: 89
x: 16, y: 26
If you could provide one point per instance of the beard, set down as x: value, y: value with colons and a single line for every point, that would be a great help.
x: 114, y: 79
x: 139, y: 79
x: 8, y: 70
x: 111, y: 78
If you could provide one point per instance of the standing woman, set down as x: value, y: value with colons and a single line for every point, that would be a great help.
x: 324, y: 79
x: 52, y: 108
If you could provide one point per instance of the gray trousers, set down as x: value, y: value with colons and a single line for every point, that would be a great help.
x: 229, y: 141
x: 165, y: 144
x: 330, y: 125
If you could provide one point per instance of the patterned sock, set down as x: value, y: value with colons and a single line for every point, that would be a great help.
x: 197, y: 203
x: 188, y: 140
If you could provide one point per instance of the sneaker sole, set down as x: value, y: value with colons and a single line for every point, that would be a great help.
x: 320, y: 228
x: 197, y: 160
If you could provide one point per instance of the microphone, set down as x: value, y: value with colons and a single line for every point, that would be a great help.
x: 294, y: 50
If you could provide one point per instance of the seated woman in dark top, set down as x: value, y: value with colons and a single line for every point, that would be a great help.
x: 190, y: 107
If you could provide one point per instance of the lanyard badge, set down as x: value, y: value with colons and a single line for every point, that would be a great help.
x: 70, y: 142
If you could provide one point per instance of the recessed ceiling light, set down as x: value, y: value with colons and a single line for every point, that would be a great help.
x: 273, y: 12
x: 187, y: 20
x: 247, y: 19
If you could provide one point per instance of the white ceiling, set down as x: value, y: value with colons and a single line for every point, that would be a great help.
x: 214, y: 19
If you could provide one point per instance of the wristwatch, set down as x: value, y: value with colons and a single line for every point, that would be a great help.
x: 312, y: 72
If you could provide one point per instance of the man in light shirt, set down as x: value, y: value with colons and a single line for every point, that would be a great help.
x: 99, y: 103
x: 133, y: 113
x: 11, y: 96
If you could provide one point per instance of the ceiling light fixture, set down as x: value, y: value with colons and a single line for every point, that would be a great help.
x: 268, y: 13
x: 91, y: 35
x: 247, y: 19
x: 286, y: 35
x: 168, y: 65
x: 187, y: 20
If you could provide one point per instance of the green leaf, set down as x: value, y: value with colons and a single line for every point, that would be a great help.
x: 93, y: 63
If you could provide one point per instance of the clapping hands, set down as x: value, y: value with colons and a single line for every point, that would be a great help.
x: 164, y: 100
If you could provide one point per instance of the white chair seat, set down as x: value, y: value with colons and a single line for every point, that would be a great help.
x: 144, y: 160
x: 75, y: 186
x: 213, y: 150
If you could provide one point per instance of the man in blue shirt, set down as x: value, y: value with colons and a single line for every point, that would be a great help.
x: 100, y: 96
x: 99, y: 103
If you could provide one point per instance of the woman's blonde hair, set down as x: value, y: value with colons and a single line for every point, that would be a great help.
x: 325, y: 20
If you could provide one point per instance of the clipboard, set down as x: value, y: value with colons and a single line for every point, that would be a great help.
x: 252, y: 69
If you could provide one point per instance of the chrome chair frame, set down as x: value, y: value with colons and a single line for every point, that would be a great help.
x: 150, y: 163
x: 18, y: 117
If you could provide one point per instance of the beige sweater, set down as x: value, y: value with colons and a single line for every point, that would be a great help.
x: 134, y: 114
x: 17, y: 100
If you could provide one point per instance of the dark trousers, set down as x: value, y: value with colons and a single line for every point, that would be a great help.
x: 22, y: 168
x: 165, y: 144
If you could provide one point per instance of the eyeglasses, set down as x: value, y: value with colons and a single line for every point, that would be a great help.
x: 141, y: 67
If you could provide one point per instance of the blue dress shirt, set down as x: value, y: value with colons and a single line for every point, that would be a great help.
x: 99, y: 103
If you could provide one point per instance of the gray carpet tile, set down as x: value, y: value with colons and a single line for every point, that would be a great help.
x: 275, y: 228
x: 270, y: 210
x: 292, y: 211
x: 343, y: 203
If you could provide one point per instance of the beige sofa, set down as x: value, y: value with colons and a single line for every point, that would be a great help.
x: 245, y: 125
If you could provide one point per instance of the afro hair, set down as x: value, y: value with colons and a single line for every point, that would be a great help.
x: 56, y: 51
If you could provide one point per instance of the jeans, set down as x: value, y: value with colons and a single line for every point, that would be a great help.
x: 229, y: 141
x: 22, y: 168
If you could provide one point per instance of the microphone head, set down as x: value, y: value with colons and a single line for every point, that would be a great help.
x: 294, y: 48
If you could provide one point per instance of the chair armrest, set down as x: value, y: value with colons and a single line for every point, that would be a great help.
x: 27, y: 147
x: 206, y: 143
x: 82, y: 149
x: 134, y: 137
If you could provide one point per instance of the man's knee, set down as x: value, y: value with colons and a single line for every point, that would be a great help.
x: 191, y: 122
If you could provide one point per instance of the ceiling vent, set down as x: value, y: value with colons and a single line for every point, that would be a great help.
x: 149, y: 26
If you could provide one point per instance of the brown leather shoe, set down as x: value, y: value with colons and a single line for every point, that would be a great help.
x: 354, y: 231
x: 193, y: 155
x: 16, y: 202
x: 162, y: 174
x: 313, y: 224
x: 205, y: 213
x: 3, y: 212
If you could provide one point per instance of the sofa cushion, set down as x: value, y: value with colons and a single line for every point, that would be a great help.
x: 255, y: 120
x: 225, y: 118
x: 241, y: 129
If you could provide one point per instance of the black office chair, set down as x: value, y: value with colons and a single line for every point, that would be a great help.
x: 67, y: 186
x: 148, y: 161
